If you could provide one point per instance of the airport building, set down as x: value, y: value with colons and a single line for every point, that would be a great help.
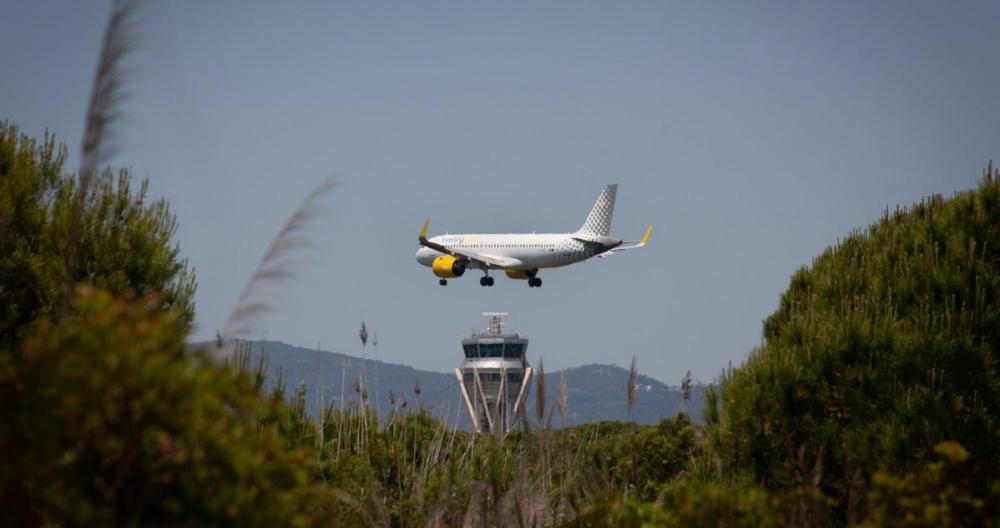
x: 494, y: 376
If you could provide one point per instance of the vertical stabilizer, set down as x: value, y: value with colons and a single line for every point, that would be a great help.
x: 599, y: 220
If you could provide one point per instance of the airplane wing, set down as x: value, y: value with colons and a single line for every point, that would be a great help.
x: 629, y: 245
x: 488, y: 260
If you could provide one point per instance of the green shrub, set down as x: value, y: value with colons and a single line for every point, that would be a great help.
x: 109, y: 420
x: 687, y: 504
x: 642, y: 458
x: 943, y: 494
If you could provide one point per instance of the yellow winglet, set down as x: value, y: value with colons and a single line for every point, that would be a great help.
x: 423, y: 232
x: 645, y: 237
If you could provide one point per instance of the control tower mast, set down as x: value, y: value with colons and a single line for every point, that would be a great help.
x: 494, y: 376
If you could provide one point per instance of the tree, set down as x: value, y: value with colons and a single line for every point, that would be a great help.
x: 883, y: 348
x: 121, y: 242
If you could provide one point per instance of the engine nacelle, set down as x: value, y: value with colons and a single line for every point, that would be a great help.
x: 517, y: 274
x: 447, y: 266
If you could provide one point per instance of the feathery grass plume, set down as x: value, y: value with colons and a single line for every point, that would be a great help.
x: 631, y: 387
x: 540, y: 392
x: 686, y: 386
x: 416, y: 388
x: 562, y: 401
x: 276, y: 264
x: 107, y: 92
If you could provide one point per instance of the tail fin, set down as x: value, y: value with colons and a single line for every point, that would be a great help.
x: 599, y: 220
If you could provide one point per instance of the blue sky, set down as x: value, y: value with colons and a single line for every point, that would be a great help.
x: 751, y: 136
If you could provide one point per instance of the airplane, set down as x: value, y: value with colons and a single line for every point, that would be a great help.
x: 520, y: 256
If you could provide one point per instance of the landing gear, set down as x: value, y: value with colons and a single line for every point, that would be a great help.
x: 535, y: 282
x: 486, y: 281
x: 443, y: 282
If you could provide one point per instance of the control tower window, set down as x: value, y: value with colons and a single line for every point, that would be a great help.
x: 470, y: 351
x: 493, y: 350
x: 513, y: 350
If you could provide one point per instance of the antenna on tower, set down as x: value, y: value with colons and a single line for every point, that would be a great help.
x: 496, y: 323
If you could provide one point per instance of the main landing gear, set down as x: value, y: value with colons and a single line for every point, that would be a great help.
x: 443, y: 282
x: 535, y: 282
x: 486, y: 281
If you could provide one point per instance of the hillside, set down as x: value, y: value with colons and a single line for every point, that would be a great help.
x: 596, y: 392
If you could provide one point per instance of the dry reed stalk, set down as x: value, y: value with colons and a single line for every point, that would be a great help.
x: 562, y: 401
x: 276, y: 265
x: 632, y: 375
x: 540, y: 392
x: 362, y: 367
x: 522, y: 414
x: 631, y: 403
x: 378, y: 397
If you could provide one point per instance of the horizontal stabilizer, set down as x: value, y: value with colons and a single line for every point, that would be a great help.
x: 631, y: 244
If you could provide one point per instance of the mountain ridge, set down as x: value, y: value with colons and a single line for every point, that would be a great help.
x: 596, y: 391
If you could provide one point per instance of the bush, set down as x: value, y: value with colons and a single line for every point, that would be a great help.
x: 688, y: 504
x: 108, y: 420
x: 641, y: 458
x: 943, y: 494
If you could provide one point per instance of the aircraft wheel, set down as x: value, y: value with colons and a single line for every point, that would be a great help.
x: 484, y: 281
x: 489, y: 281
x: 535, y: 282
x: 443, y: 282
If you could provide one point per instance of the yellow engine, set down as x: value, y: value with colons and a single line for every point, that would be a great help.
x: 447, y: 266
x: 517, y: 274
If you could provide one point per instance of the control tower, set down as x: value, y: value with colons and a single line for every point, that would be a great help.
x: 494, y: 376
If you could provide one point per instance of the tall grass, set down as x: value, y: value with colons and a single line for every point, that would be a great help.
x: 417, y: 468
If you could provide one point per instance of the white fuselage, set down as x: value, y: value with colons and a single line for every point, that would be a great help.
x: 531, y: 251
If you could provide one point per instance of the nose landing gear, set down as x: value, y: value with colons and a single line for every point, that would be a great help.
x: 443, y: 282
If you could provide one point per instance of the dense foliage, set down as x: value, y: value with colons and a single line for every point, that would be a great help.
x: 54, y: 236
x: 109, y: 420
x: 412, y: 470
x: 882, y: 349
